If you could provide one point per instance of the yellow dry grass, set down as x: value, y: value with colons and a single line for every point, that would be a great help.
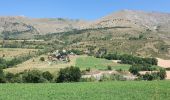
x: 14, y: 52
x: 35, y: 63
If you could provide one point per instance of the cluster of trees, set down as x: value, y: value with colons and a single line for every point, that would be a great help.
x: 130, y: 59
x: 160, y: 75
x: 17, y: 60
x: 139, y: 64
x: 70, y: 74
x: 33, y: 76
x: 152, y: 74
x: 134, y: 69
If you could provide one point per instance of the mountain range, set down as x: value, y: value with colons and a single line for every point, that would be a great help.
x: 139, y: 32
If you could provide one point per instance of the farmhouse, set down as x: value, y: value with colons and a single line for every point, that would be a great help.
x: 59, y: 56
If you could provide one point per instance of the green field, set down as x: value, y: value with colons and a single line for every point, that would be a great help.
x: 98, y: 63
x: 92, y: 62
x: 125, y: 90
x: 121, y: 66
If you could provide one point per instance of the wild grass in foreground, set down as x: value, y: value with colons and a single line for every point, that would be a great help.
x: 124, y: 90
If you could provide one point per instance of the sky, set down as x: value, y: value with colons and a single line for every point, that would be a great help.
x: 77, y: 9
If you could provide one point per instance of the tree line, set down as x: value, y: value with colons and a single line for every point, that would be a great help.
x: 70, y: 74
x: 130, y: 59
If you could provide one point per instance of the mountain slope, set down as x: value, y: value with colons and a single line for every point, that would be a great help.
x: 30, y: 26
x: 127, y: 31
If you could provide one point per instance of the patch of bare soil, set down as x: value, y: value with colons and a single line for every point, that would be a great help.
x: 163, y: 63
x: 168, y: 75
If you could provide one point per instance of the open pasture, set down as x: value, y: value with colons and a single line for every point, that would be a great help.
x: 128, y: 90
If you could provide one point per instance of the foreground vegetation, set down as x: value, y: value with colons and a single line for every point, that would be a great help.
x: 154, y: 90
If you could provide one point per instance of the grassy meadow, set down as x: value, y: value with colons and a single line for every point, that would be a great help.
x: 98, y: 63
x: 122, y: 90
x: 92, y: 62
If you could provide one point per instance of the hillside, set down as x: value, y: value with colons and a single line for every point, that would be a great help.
x: 127, y: 31
x: 24, y: 27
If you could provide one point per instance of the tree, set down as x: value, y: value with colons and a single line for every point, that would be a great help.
x: 162, y: 73
x: 10, y: 77
x: 134, y: 69
x: 2, y: 79
x: 69, y: 74
x: 42, y: 59
x: 47, y: 75
x: 33, y: 76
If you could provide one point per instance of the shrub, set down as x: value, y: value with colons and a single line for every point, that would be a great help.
x: 162, y: 73
x: 109, y: 67
x: 88, y: 69
x: 2, y: 63
x: 130, y: 59
x: 69, y: 74
x: 42, y: 59
x: 149, y: 76
x: 134, y: 69
x: 117, y: 77
x: 47, y: 75
x: 91, y: 79
x: 10, y: 77
x: 33, y: 76
x: 2, y: 79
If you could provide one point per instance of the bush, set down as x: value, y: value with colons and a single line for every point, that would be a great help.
x: 117, y: 77
x: 134, y: 69
x: 162, y: 73
x: 47, y: 75
x: 69, y: 74
x: 2, y: 63
x: 2, y: 78
x: 76, y: 51
x: 10, y: 77
x: 42, y: 59
x: 33, y: 76
x: 91, y: 79
x: 130, y: 59
x: 150, y: 77
x: 109, y: 67
x: 88, y: 69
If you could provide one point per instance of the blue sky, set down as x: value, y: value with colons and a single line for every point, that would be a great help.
x: 77, y: 9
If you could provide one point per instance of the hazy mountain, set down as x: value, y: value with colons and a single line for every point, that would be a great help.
x: 126, y: 18
x: 24, y: 26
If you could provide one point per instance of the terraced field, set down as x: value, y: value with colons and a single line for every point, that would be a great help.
x: 128, y: 90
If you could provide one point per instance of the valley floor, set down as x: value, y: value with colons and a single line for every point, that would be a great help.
x: 122, y: 90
